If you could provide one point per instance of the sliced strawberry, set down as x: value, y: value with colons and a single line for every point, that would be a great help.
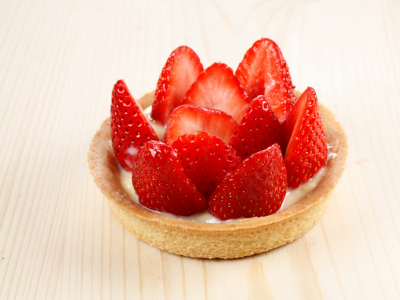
x: 206, y: 160
x: 256, y: 188
x: 161, y: 184
x: 218, y: 88
x: 180, y: 71
x: 258, y: 129
x: 263, y: 71
x: 306, y: 151
x: 129, y: 127
x: 190, y: 119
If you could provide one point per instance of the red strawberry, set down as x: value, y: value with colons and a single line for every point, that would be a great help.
x: 257, y: 188
x: 263, y: 71
x: 161, y: 184
x: 306, y: 151
x: 180, y: 71
x: 218, y: 88
x: 129, y: 127
x: 206, y: 160
x: 258, y: 129
x: 190, y: 119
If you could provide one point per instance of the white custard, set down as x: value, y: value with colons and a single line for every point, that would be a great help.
x: 157, y: 126
x: 294, y: 195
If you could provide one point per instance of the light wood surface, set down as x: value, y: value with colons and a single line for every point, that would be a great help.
x: 58, y: 63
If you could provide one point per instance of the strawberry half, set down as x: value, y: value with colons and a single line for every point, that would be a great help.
x: 258, y: 130
x: 161, y: 184
x: 129, y: 127
x: 217, y: 87
x: 190, y: 119
x: 263, y: 71
x: 306, y: 151
x: 180, y: 71
x: 256, y: 188
x: 206, y: 160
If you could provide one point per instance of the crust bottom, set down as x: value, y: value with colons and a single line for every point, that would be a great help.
x: 224, y: 240
x: 232, y: 244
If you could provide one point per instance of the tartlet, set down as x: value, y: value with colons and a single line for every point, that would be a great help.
x: 224, y: 240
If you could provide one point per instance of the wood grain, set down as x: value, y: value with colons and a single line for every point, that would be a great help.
x: 58, y: 63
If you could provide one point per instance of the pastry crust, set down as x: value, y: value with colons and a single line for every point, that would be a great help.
x: 223, y: 240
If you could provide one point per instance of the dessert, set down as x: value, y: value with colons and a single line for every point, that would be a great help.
x: 160, y: 182
x: 306, y: 148
x: 181, y: 70
x: 264, y: 71
x: 189, y: 119
x: 130, y: 129
x: 241, y: 177
x: 256, y: 188
x: 248, y: 141
x: 207, y: 160
x: 217, y: 87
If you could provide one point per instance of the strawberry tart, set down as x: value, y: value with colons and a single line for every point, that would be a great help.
x: 216, y: 163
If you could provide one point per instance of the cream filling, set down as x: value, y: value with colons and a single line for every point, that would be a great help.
x: 157, y: 126
x: 291, y: 198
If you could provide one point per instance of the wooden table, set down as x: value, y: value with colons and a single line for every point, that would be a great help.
x: 58, y: 63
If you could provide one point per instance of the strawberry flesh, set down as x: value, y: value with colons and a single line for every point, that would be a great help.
x: 180, y: 71
x: 218, y: 88
x: 190, y: 119
x: 161, y: 184
x: 256, y: 188
x: 206, y: 160
x: 129, y: 127
x: 264, y: 71
x: 306, y: 151
x: 258, y: 130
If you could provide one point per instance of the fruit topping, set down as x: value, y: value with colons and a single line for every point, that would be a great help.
x: 306, y: 151
x: 161, y: 184
x: 256, y: 188
x: 190, y: 119
x: 258, y: 130
x: 201, y: 165
x: 264, y: 71
x: 206, y: 160
x: 218, y: 88
x: 129, y: 127
x: 180, y: 71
